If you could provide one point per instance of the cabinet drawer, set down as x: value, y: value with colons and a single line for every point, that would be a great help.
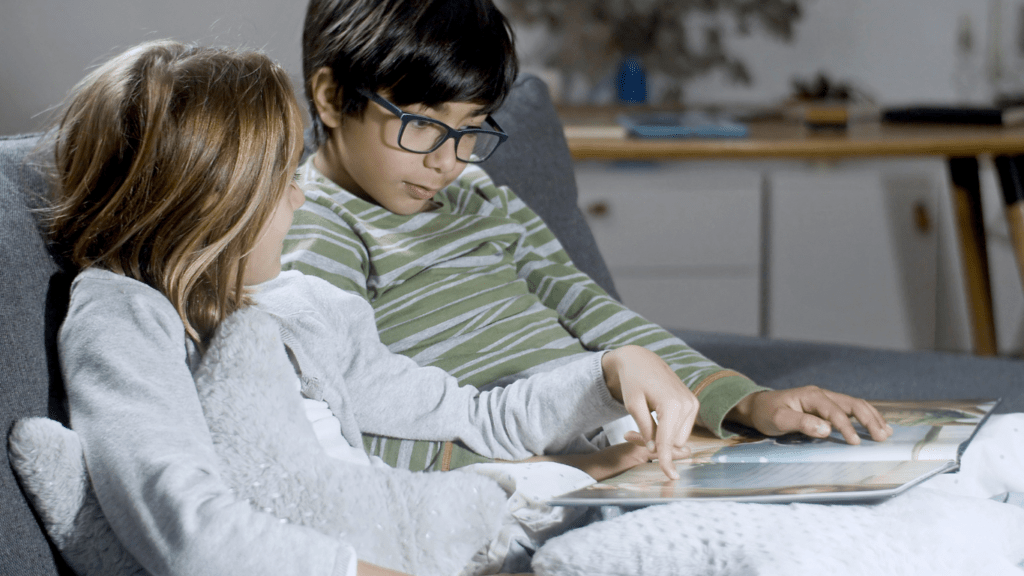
x: 672, y: 215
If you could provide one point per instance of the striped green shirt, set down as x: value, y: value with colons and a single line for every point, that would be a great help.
x: 479, y: 287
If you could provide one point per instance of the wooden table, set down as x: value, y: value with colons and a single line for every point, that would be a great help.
x: 959, y: 145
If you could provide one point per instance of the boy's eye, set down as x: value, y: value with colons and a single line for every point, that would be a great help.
x: 296, y: 176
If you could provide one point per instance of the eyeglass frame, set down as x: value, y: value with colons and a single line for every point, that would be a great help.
x: 452, y: 133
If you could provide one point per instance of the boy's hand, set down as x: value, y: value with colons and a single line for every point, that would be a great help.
x: 810, y: 410
x: 643, y: 382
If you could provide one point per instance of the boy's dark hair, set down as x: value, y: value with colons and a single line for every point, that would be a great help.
x: 419, y: 51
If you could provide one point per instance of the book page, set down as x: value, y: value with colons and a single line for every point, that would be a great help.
x: 927, y: 439
x: 757, y: 482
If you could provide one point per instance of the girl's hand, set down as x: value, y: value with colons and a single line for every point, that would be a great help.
x: 613, y: 460
x: 810, y: 410
x: 643, y: 382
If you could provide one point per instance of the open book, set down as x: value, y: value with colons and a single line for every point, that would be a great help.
x: 928, y: 439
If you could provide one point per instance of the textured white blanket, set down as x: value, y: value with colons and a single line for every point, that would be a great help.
x: 947, y: 526
x: 923, y: 532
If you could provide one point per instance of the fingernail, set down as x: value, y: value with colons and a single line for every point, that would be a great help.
x: 650, y: 445
x: 822, y: 429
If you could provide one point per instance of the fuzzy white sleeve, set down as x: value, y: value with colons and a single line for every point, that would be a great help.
x: 335, y: 338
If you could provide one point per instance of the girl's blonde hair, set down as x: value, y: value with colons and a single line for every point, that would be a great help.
x: 169, y: 160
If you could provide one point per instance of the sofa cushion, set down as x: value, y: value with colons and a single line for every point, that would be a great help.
x: 33, y: 297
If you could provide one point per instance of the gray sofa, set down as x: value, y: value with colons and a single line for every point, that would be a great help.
x: 536, y: 163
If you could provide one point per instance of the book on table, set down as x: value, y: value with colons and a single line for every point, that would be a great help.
x: 692, y: 124
x: 928, y: 439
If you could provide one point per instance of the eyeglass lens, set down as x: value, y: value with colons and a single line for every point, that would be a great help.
x: 422, y: 136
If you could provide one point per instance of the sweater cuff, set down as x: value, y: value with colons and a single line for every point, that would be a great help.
x: 718, y: 393
x: 346, y: 563
x: 614, y: 409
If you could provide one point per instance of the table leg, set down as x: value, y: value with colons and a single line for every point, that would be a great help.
x: 1011, y: 176
x: 963, y: 173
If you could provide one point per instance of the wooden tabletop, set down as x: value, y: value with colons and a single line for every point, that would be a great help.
x: 592, y: 135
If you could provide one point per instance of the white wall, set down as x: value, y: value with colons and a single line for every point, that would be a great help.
x: 46, y: 46
x: 898, y: 50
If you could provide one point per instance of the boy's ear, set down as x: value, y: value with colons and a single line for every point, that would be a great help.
x: 326, y: 96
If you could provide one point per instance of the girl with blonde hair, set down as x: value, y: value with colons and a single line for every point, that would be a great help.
x: 170, y: 159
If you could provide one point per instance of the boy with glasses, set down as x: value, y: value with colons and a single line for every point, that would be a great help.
x: 461, y: 274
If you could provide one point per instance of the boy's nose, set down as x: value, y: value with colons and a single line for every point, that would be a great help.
x: 443, y: 159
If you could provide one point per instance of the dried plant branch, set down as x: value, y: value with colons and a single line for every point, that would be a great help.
x: 593, y: 36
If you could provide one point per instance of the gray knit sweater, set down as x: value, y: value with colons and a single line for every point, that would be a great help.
x: 126, y: 363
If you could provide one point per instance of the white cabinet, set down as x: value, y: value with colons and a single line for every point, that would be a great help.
x: 853, y: 255
x: 682, y: 241
x: 859, y: 252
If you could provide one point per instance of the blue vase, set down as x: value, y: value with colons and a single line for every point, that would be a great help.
x: 632, y: 81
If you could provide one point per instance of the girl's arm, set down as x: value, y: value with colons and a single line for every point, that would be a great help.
x: 541, y: 414
x: 334, y: 338
x: 149, y: 453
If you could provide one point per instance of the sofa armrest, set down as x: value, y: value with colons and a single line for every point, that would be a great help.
x: 33, y: 298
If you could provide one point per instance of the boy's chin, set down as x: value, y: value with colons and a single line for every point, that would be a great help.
x: 410, y: 207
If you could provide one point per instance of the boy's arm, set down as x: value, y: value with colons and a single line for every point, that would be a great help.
x: 601, y: 323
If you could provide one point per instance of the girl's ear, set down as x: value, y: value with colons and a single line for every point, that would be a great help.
x: 326, y: 96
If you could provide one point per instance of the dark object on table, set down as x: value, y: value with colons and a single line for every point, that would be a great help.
x: 976, y: 115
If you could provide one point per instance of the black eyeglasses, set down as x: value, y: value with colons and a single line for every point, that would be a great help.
x: 423, y: 135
